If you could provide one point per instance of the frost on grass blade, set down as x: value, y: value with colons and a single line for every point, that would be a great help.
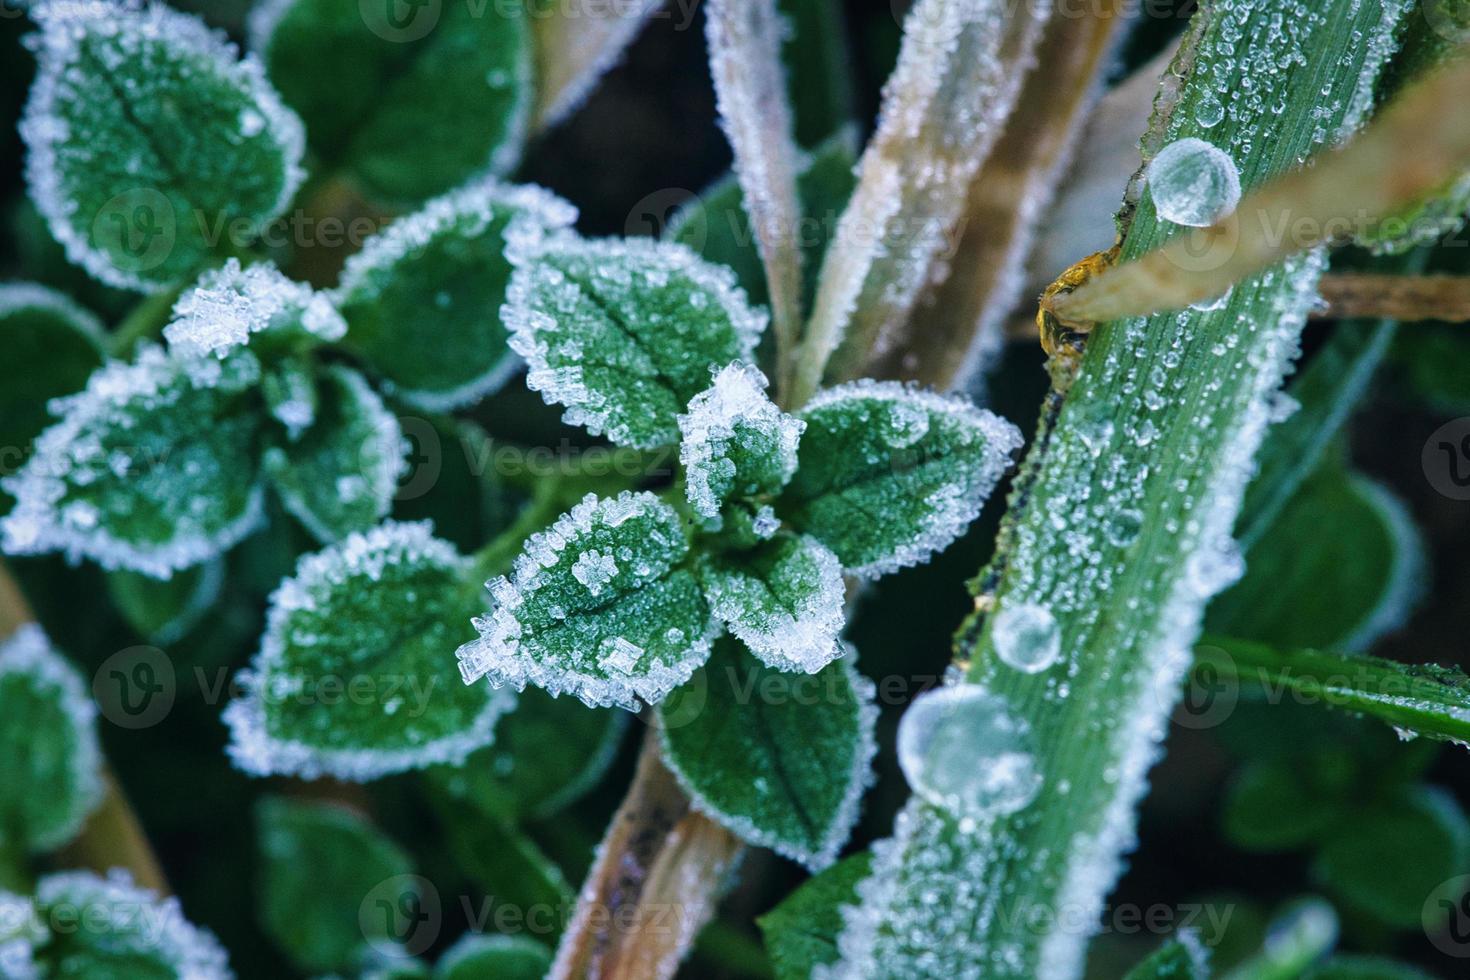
x: 51, y: 346
x: 423, y: 298
x: 49, y: 759
x: 784, y: 600
x: 148, y: 138
x: 477, y: 955
x: 412, y: 105
x: 376, y: 614
x: 889, y: 475
x: 152, y: 467
x: 736, y: 442
x: 1183, y: 957
x: 624, y: 333
x: 573, y: 52
x: 780, y: 761
x: 341, y: 474
x: 227, y: 306
x: 596, y: 607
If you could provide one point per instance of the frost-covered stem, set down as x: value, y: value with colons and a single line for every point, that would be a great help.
x: 744, y: 38
x: 112, y: 836
x: 1415, y: 146
x: 654, y: 883
x: 547, y: 501
x: 573, y: 50
x: 144, y: 322
x: 1383, y: 296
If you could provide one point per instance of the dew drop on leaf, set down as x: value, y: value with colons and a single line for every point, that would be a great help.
x: 1027, y: 637
x: 962, y: 749
x: 1193, y: 183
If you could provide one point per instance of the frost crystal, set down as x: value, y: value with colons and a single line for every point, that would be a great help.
x: 230, y: 304
x: 1026, y: 637
x: 1193, y: 182
x: 962, y: 748
x: 595, y: 606
x: 736, y: 442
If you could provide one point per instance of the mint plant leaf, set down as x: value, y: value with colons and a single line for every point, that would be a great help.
x: 51, y: 347
x: 411, y: 107
x: 889, y: 475
x: 784, y: 600
x: 476, y: 956
x: 780, y: 761
x: 229, y: 305
x: 423, y: 297
x: 801, y: 933
x: 624, y: 332
x: 152, y: 467
x: 736, y: 442
x: 340, y: 476
x: 1183, y: 957
x: 50, y: 763
x: 597, y: 606
x: 319, y: 863
x: 165, y: 610
x: 352, y: 679
x: 148, y: 139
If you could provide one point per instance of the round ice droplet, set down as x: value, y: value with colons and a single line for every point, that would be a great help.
x: 961, y: 748
x: 1209, y: 112
x: 1193, y: 183
x: 1026, y: 637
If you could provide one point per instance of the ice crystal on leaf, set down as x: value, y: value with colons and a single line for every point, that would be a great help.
x: 151, y: 467
x: 962, y: 748
x: 597, y: 606
x: 229, y: 305
x: 624, y: 333
x: 374, y: 614
x: 49, y: 758
x: 145, y: 132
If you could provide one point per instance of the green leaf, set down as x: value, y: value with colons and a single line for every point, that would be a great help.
x: 228, y: 307
x: 1182, y: 958
x: 889, y: 475
x: 149, y: 142
x: 340, y: 475
x: 411, y: 106
x: 780, y: 760
x: 152, y: 467
x: 1299, y: 936
x: 165, y: 610
x: 51, y: 346
x: 477, y: 957
x: 1434, y: 359
x: 1340, y: 565
x: 736, y: 442
x: 1271, y: 807
x: 801, y: 932
x: 129, y: 933
x: 818, y: 61
x: 597, y: 606
x: 625, y: 332
x: 320, y: 863
x: 352, y: 679
x: 547, y: 754
x: 502, y: 861
x: 784, y: 600
x: 289, y: 388
x: 423, y: 297
x: 50, y: 763
x: 1421, y: 836
x: 1364, y: 968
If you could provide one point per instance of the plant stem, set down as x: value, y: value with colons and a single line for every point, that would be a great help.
x: 1386, y: 296
x: 145, y: 322
x: 548, y: 500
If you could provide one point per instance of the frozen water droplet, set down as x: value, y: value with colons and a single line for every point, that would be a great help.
x: 1193, y: 183
x: 1209, y: 112
x: 961, y: 748
x: 1026, y: 637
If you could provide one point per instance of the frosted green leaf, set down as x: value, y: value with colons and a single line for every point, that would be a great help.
x: 51, y: 346
x: 624, y: 333
x: 130, y: 932
x: 152, y: 467
x: 21, y: 931
x: 289, y: 387
x: 736, y: 442
x: 227, y: 306
x: 888, y: 475
x: 163, y: 611
x: 412, y: 100
x: 340, y: 476
x: 319, y: 863
x: 784, y: 600
x: 1182, y: 958
x: 597, y: 606
x: 801, y: 932
x: 49, y: 759
x: 477, y: 956
x: 780, y: 760
x: 423, y: 297
x: 150, y: 142
x: 352, y: 679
